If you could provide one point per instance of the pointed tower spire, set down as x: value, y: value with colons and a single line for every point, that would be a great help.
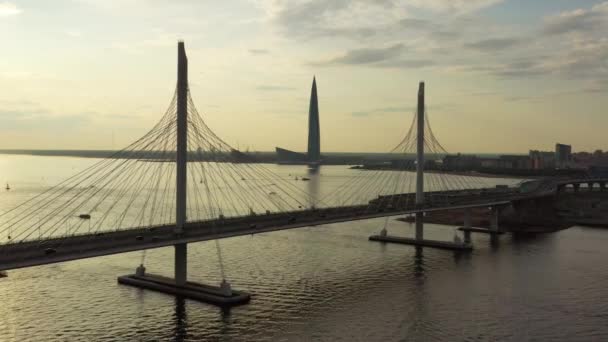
x: 314, y: 138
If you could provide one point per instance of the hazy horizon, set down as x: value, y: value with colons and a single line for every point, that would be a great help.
x: 9, y: 151
x: 501, y: 77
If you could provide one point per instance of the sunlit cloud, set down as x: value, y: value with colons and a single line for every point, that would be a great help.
x: 74, y: 33
x: 8, y: 9
x: 259, y: 51
x: 453, y: 6
x: 581, y: 20
x: 366, y: 56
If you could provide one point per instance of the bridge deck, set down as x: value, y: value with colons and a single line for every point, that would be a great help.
x: 33, y: 253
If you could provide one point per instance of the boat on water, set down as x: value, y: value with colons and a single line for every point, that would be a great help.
x: 305, y: 179
x: 7, y: 187
x: 3, y: 274
x: 85, y: 216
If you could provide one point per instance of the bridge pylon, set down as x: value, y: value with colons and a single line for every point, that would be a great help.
x: 419, y: 240
x: 220, y: 295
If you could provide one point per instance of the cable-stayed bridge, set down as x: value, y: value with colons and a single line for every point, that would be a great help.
x: 181, y: 183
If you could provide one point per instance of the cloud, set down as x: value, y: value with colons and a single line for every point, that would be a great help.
x: 387, y: 57
x: 580, y: 20
x: 407, y: 63
x: 8, y: 9
x: 40, y: 118
x: 273, y: 88
x: 415, y: 24
x: 354, y: 19
x: 453, y: 6
x: 596, y: 86
x: 460, y: 42
x: 382, y: 111
x: 494, y: 44
x: 366, y: 56
x: 259, y: 51
x: 74, y: 33
x: 337, y: 18
x: 19, y: 103
x: 518, y: 67
x: 522, y: 98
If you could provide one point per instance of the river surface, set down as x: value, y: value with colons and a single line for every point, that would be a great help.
x: 323, y: 283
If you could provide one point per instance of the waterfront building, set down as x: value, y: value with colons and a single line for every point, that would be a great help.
x: 542, y: 159
x: 563, y: 155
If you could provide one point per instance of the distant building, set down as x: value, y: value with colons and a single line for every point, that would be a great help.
x: 313, y: 154
x: 514, y: 162
x: 541, y: 160
x: 508, y: 162
x: 461, y: 162
x: 563, y: 155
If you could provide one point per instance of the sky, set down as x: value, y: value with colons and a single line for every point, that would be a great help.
x: 502, y: 76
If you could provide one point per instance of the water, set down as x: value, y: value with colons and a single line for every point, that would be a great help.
x: 324, y: 283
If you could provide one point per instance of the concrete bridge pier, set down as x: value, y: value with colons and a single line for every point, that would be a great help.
x: 468, y: 229
x: 419, y: 226
x: 467, y: 226
x: 602, y: 186
x: 221, y: 295
x: 494, y: 211
x: 181, y: 264
x: 494, y: 229
x: 576, y: 186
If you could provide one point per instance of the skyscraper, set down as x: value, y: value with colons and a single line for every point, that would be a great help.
x: 314, y: 136
x: 313, y: 155
x: 563, y: 155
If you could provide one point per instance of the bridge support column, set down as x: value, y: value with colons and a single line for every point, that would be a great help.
x: 419, y: 238
x: 420, y: 163
x: 590, y: 186
x: 180, y: 286
x: 419, y: 226
x: 602, y: 186
x: 467, y: 225
x: 181, y: 264
x: 494, y: 219
x: 576, y: 186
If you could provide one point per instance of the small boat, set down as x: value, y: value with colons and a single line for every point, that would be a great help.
x: 85, y: 216
x: 305, y: 179
x: 3, y: 274
x: 7, y: 187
